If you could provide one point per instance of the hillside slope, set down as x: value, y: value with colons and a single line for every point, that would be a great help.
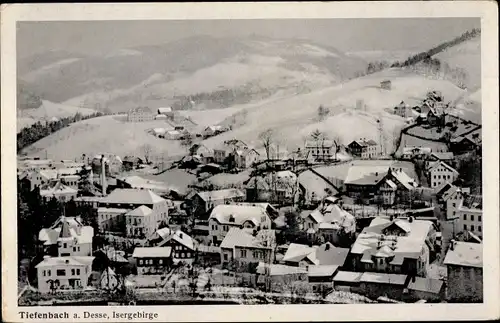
x: 252, y: 68
x: 292, y: 119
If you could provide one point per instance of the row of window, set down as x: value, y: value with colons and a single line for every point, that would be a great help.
x: 61, y: 272
x: 257, y: 254
x: 479, y: 218
x: 472, y: 228
x: 149, y: 261
x: 444, y: 176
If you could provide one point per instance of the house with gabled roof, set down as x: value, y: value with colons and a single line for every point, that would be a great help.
x: 331, y: 222
x: 247, y: 247
x: 277, y: 187
x: 152, y: 260
x: 226, y: 216
x: 396, y: 187
x: 68, y: 272
x: 399, y: 246
x: 68, y: 236
x: 364, y: 149
x: 299, y: 255
x: 184, y: 247
x: 202, y: 203
x: 449, y: 198
x: 321, y: 149
x: 140, y: 114
x: 246, y: 157
x: 470, y: 214
x: 440, y: 172
x: 56, y: 189
x: 464, y: 264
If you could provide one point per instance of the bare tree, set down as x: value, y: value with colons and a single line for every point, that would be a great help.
x: 267, y: 137
x: 317, y: 134
x: 146, y: 150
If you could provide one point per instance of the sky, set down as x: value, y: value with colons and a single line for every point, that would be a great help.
x: 362, y: 34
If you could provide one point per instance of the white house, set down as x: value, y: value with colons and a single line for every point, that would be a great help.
x: 321, y: 149
x: 67, y: 237
x: 212, y: 131
x: 140, y: 114
x: 166, y: 111
x: 246, y: 157
x: 141, y: 222
x: 470, y: 215
x: 450, y: 198
x: 227, y: 216
x: 112, y: 208
x: 247, y: 246
x: 439, y: 173
x: 64, y: 272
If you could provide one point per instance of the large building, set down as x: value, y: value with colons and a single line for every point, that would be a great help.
x: 225, y: 217
x: 119, y: 211
x: 464, y: 263
x: 321, y: 149
x: 68, y: 255
x: 439, y: 173
x: 399, y: 246
x: 470, y: 214
x: 364, y: 149
x: 203, y: 202
x: 140, y: 114
x: 67, y: 237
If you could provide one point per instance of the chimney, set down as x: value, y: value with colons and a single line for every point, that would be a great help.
x: 452, y: 244
x: 103, y: 176
x: 180, y: 235
x: 67, y: 261
x: 410, y: 219
x: 327, y: 246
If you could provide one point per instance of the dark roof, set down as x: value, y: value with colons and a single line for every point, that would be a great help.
x: 473, y: 202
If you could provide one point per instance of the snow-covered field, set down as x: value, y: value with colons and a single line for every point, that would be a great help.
x: 292, y: 118
x: 47, y: 111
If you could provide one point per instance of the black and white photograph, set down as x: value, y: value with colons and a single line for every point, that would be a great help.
x: 248, y: 162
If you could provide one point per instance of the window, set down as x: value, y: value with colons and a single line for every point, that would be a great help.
x: 72, y: 271
x: 78, y: 248
x: 472, y: 217
x: 465, y: 217
x: 160, y: 261
x: 454, y: 204
x: 74, y: 248
x: 243, y: 253
x: 61, y: 272
x: 44, y: 273
x: 479, y: 228
x: 479, y: 218
x: 225, y: 256
x: 65, y: 245
x: 182, y: 254
x: 472, y: 228
x: 465, y: 226
x: 78, y: 271
x: 140, y: 261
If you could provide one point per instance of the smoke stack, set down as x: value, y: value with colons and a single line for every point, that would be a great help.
x: 103, y: 176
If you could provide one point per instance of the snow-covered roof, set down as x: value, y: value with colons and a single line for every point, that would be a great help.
x: 132, y: 196
x: 152, y: 252
x: 237, y: 237
x: 408, y: 245
x: 221, y: 194
x: 140, y: 211
x: 69, y: 260
x: 239, y: 214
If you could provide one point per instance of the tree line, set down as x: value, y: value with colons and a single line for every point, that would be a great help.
x: 39, y: 130
x: 427, y: 55
x: 35, y: 213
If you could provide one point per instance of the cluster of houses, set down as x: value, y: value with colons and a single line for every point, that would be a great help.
x: 432, y: 110
x: 241, y: 229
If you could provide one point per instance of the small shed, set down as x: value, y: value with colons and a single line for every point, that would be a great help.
x: 386, y: 84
